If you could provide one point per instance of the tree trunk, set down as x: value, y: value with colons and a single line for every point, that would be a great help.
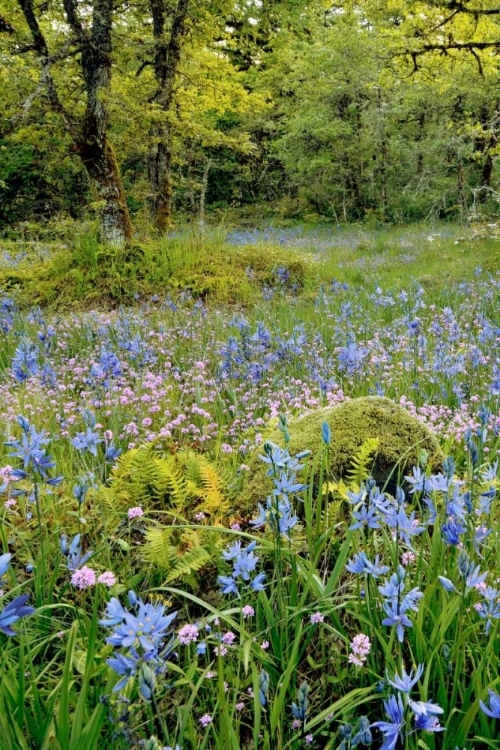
x: 203, y: 194
x: 90, y: 135
x: 166, y: 64
x: 159, y: 174
x: 96, y: 152
x: 115, y: 227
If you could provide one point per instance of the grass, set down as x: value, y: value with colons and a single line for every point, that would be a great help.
x: 234, y: 267
x: 187, y: 382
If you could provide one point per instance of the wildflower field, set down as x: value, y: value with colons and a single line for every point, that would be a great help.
x: 147, y: 602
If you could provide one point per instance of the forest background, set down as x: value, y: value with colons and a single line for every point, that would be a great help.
x: 154, y: 111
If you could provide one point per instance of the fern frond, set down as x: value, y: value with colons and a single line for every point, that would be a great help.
x: 157, y: 549
x: 180, y: 560
x: 169, y: 482
x: 362, y: 462
x: 214, y: 502
x: 188, y: 564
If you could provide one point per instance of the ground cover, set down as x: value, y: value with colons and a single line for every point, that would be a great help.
x: 332, y: 615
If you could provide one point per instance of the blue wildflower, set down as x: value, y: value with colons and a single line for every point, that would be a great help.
x: 392, y: 729
x: 4, y: 563
x: 14, y: 611
x: 124, y: 666
x: 25, y: 361
x: 87, y: 441
x: 406, y: 682
x: 361, y: 564
x: 493, y: 710
x: 447, y: 584
x: 424, y: 708
x: 263, y: 687
x: 148, y: 628
x: 299, y: 709
x: 75, y: 559
x: 451, y: 532
x: 363, y: 734
x: 366, y: 516
x: 428, y: 723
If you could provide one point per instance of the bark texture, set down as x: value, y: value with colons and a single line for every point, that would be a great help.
x: 166, y: 65
x: 90, y: 135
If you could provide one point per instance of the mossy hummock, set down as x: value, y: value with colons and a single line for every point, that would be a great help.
x: 401, y: 436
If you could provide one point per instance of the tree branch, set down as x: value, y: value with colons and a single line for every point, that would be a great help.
x: 46, y: 80
x: 461, y: 7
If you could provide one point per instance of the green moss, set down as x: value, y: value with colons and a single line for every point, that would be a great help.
x: 401, y: 437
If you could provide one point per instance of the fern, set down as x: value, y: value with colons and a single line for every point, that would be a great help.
x: 214, y: 502
x: 169, y: 484
x: 361, y: 463
x: 179, y: 560
x: 185, y: 484
x: 189, y: 563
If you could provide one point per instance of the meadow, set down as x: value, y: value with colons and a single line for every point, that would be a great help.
x: 143, y: 603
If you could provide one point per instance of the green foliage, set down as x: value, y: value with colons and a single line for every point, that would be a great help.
x: 177, y: 489
x: 352, y: 116
x: 89, y: 274
x: 182, y: 482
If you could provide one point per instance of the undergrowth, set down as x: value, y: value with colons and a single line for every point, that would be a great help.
x: 239, y: 267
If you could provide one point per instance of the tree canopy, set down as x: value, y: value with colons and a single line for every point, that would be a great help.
x: 385, y: 110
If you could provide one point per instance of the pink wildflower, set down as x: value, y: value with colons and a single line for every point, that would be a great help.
x: 360, y: 647
x: 188, y: 634
x: 108, y: 578
x: 205, y: 720
x: 135, y: 512
x: 83, y: 578
x: 316, y: 618
x: 407, y: 558
x: 228, y: 638
x: 247, y: 611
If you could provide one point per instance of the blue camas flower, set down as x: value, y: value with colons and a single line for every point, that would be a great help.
x: 32, y: 453
x: 397, y: 603
x: 4, y: 563
x: 361, y: 564
x: 299, y: 709
x: 263, y: 687
x: 14, y: 611
x: 244, y: 563
x: 392, y: 730
x: 493, y: 710
x: 87, y: 441
x: 148, y: 628
x: 406, y: 682
x: 25, y: 361
x: 73, y: 553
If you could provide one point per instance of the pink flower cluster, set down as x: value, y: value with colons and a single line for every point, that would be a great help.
x: 360, y: 648
x: 135, y: 512
x: 84, y: 577
x: 188, y: 634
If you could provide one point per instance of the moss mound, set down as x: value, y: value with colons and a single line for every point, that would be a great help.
x: 401, y: 437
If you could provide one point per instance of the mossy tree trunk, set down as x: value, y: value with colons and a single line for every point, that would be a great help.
x: 90, y: 134
x: 166, y: 65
